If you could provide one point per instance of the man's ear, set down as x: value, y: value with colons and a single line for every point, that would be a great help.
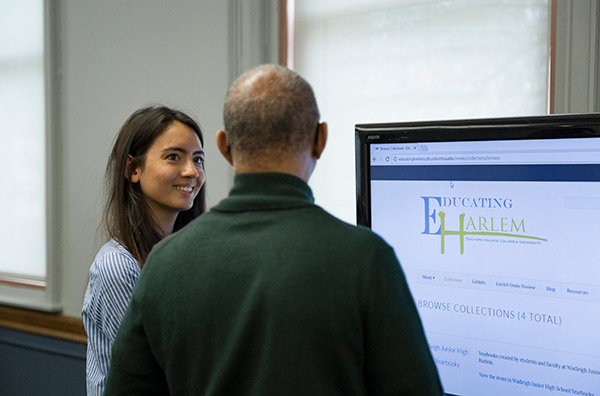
x: 223, y: 146
x: 320, y: 140
x: 132, y: 174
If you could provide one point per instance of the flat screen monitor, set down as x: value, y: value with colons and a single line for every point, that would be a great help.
x: 496, y: 224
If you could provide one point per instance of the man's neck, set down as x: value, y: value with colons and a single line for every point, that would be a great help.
x: 299, y: 166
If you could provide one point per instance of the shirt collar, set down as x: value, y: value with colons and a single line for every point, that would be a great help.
x: 266, y: 191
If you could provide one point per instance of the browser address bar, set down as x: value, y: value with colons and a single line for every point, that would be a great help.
x: 521, y: 157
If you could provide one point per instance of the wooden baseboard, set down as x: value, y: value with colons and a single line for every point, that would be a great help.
x: 45, y: 324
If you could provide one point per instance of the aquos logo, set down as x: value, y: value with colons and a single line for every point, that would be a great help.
x: 478, y: 228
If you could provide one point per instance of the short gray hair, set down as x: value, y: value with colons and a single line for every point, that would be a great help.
x: 270, y: 109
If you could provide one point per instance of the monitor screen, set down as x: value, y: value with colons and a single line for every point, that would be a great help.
x: 496, y: 224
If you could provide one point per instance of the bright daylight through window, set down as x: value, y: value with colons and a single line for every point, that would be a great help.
x: 24, y: 153
x: 390, y: 61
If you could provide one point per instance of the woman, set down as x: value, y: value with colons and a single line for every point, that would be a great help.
x: 155, y: 183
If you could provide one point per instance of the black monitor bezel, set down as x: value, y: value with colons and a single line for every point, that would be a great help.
x: 483, y: 129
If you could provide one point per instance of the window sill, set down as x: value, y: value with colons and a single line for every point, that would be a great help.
x: 45, y: 324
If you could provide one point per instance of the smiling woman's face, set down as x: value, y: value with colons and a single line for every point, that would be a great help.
x: 172, y: 173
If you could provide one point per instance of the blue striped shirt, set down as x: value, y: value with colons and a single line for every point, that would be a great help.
x: 113, y: 275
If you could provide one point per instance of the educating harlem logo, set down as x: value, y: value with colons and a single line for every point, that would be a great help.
x: 493, y: 228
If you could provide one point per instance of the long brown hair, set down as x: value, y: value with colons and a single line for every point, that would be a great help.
x: 126, y: 216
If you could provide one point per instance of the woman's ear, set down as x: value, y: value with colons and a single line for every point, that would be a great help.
x: 223, y: 145
x: 131, y: 173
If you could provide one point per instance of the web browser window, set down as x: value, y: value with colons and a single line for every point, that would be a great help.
x: 499, y: 243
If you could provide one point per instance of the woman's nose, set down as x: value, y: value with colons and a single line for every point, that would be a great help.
x: 189, y: 169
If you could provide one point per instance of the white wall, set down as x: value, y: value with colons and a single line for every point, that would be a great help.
x: 117, y: 56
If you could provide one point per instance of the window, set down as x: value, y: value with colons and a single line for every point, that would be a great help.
x: 388, y: 61
x: 26, y: 87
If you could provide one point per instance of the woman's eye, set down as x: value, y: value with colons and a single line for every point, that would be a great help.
x: 172, y: 157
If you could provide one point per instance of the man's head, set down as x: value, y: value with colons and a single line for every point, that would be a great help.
x: 271, y: 117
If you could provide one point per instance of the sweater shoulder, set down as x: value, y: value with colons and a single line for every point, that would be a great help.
x: 359, y: 233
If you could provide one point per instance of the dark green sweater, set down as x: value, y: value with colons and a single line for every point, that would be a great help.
x: 268, y: 294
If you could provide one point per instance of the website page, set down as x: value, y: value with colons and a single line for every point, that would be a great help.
x: 499, y: 242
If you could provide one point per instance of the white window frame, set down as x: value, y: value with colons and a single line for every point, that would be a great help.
x: 576, y: 56
x: 14, y: 290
